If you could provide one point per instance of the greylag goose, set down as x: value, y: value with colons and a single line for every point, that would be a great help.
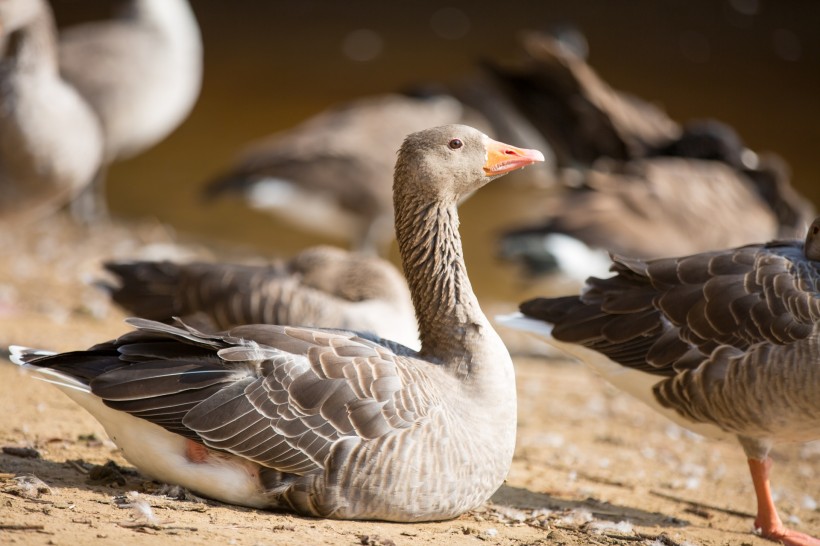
x: 723, y: 342
x: 50, y: 140
x: 580, y: 115
x: 620, y: 189
x: 584, y: 120
x: 633, y: 181
x: 321, y: 286
x: 652, y: 207
x: 327, y: 422
x: 141, y: 73
x: 331, y: 174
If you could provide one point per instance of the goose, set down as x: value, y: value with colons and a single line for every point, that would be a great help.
x: 50, y: 140
x: 328, y: 423
x: 141, y: 72
x: 631, y: 180
x: 321, y: 286
x: 331, y: 174
x: 581, y: 116
x: 724, y: 342
x: 685, y: 197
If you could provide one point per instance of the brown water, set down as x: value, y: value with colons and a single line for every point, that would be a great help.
x: 270, y: 64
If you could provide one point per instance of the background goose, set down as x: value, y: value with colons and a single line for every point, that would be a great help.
x: 632, y: 180
x: 321, y: 286
x: 329, y: 423
x: 580, y: 115
x: 724, y: 342
x: 141, y: 73
x: 655, y: 207
x: 50, y: 141
x: 332, y: 173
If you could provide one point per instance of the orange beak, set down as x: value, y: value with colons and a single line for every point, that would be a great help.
x: 503, y: 158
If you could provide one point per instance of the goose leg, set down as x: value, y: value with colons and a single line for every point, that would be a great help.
x: 90, y: 206
x: 767, y: 520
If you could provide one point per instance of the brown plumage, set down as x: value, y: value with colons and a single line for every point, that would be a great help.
x: 657, y: 207
x: 728, y: 339
x: 332, y: 173
x: 329, y: 423
x: 633, y: 181
x: 580, y: 115
x: 321, y: 286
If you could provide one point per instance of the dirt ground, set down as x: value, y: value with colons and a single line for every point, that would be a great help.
x: 592, y: 465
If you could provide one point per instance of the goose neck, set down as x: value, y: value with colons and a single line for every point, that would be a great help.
x: 451, y: 323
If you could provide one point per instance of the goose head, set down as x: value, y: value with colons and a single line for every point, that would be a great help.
x: 450, y: 162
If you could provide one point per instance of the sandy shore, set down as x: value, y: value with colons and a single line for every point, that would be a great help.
x: 592, y: 466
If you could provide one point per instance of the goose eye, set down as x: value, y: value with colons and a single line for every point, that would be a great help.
x: 455, y: 144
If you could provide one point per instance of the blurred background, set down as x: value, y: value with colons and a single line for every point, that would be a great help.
x: 753, y: 64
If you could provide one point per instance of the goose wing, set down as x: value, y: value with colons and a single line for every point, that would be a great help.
x: 279, y: 396
x: 663, y: 316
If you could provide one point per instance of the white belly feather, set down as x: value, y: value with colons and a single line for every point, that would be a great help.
x: 163, y: 455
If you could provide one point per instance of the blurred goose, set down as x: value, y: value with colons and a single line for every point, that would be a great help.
x: 321, y: 286
x: 332, y: 173
x: 724, y: 342
x: 329, y: 423
x: 701, y: 192
x: 580, y: 115
x: 50, y: 141
x: 141, y: 73
x: 633, y: 181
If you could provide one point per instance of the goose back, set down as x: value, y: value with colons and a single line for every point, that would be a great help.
x: 332, y: 173
x: 321, y: 286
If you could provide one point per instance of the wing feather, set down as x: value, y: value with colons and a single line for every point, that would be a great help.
x: 279, y: 396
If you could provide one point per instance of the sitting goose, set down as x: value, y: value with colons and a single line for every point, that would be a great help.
x: 141, y: 72
x: 329, y: 423
x: 331, y: 174
x: 646, y: 208
x: 685, y: 198
x: 724, y: 342
x: 321, y: 286
x: 634, y: 181
x: 50, y: 140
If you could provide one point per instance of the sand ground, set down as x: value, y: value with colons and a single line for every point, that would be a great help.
x: 592, y: 465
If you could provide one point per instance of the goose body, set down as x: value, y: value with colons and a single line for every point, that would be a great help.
x: 646, y: 208
x: 50, y: 140
x: 579, y: 114
x: 140, y: 72
x: 332, y: 173
x: 325, y: 422
x: 724, y: 342
x: 321, y: 286
x: 633, y: 181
